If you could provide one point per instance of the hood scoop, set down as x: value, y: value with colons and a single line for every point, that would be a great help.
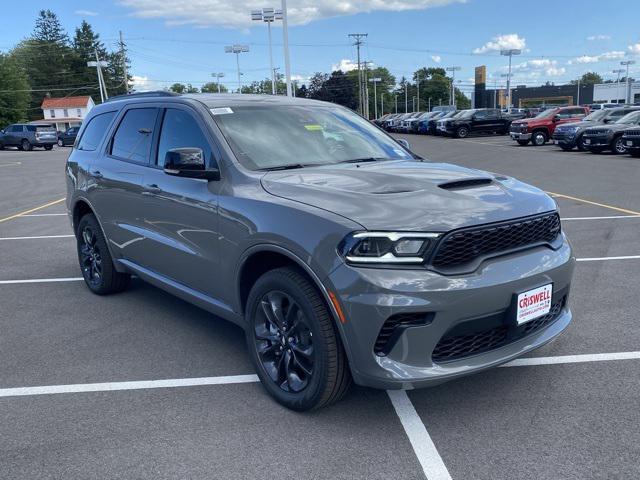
x: 466, y: 183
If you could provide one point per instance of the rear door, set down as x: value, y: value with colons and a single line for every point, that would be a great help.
x: 14, y: 135
x: 182, y: 213
x: 117, y: 174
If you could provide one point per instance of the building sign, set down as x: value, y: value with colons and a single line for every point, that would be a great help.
x: 481, y: 75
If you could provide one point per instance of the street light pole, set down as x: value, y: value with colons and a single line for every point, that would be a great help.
x: 618, y: 71
x: 628, y: 95
x: 237, y: 49
x: 285, y: 37
x: 406, y: 97
x: 99, y: 64
x: 510, y: 53
x: 453, y: 88
x: 218, y: 75
x: 375, y: 95
x: 268, y: 16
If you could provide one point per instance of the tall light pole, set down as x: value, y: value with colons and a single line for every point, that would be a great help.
x: 237, y: 49
x: 510, y: 53
x: 218, y: 76
x: 418, y: 89
x: 453, y: 88
x: 358, y: 43
x: 618, y: 71
x: 268, y: 15
x: 627, y: 63
x: 395, y: 96
x: 406, y: 97
x: 285, y: 38
x: 506, y: 75
x: 99, y: 64
x: 375, y: 95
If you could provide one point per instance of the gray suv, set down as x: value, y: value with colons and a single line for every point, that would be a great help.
x: 26, y: 136
x: 340, y: 253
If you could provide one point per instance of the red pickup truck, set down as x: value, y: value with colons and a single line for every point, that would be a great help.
x: 539, y: 129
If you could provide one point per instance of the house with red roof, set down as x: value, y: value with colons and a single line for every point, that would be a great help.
x: 66, y: 112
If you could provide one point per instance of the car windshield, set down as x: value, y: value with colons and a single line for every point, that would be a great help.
x: 466, y: 114
x: 596, y: 116
x: 272, y: 137
x: 546, y: 113
x: 632, y: 117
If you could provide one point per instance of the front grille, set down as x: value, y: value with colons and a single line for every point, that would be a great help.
x: 518, y: 128
x: 455, y: 345
x: 464, y: 246
x: 393, y: 328
x: 632, y: 133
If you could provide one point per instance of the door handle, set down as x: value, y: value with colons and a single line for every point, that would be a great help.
x: 95, y: 173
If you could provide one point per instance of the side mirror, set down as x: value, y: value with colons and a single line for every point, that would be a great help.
x: 608, y: 120
x: 556, y: 118
x: 404, y: 143
x: 189, y: 163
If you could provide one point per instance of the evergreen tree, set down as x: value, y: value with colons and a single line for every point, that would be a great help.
x: 14, y: 95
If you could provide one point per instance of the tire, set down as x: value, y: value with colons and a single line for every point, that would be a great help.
x: 26, y: 145
x: 95, y: 260
x: 462, y: 132
x: 523, y: 142
x: 1, y: 146
x: 60, y: 142
x: 48, y: 147
x: 538, y: 138
x: 596, y: 149
x: 580, y: 144
x: 617, y: 146
x: 321, y: 375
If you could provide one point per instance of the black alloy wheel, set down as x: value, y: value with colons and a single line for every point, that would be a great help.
x: 26, y: 145
x: 462, y: 132
x: 284, y: 342
x: 580, y: 144
x: 90, y: 257
x: 618, y: 146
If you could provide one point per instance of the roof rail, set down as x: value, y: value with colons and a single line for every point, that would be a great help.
x: 155, y: 93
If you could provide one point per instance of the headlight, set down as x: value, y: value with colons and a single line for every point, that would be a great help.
x: 407, y: 248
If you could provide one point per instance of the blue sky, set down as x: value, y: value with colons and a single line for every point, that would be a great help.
x: 184, y: 41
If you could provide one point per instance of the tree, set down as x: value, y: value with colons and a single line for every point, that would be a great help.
x: 212, y: 87
x: 589, y: 78
x: 182, y: 88
x: 14, y: 94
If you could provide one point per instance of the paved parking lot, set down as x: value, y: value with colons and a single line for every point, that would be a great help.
x: 176, y: 396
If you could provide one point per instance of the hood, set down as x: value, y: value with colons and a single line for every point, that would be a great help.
x: 409, y: 195
x: 612, y: 127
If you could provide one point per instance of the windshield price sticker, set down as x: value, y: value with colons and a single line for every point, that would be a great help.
x: 534, y: 303
x: 221, y: 111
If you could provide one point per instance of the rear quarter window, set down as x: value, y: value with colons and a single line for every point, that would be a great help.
x: 95, y: 131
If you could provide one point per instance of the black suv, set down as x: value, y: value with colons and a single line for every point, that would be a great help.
x: 26, y: 136
x: 569, y: 135
x: 485, y: 120
x: 609, y: 137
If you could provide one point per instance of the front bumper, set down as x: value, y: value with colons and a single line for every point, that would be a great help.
x: 565, y: 138
x: 632, y: 143
x: 370, y: 296
x: 596, y: 141
x: 520, y: 136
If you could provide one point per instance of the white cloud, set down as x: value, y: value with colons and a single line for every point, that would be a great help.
x: 635, y: 49
x: 613, y: 55
x: 502, y: 42
x: 345, y: 65
x: 436, y: 58
x: 538, y: 67
x: 86, y: 13
x: 592, y: 38
x: 236, y: 13
x: 142, y: 83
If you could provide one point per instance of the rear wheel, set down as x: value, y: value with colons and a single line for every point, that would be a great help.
x: 523, y: 142
x: 617, y: 146
x: 48, y: 147
x: 462, y: 132
x: 26, y: 145
x: 539, y: 138
x: 95, y: 260
x: 60, y: 143
x: 293, y: 343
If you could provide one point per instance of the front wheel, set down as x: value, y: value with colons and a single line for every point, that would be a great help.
x: 580, y: 144
x: 539, y: 138
x: 462, y: 132
x: 95, y: 260
x: 26, y: 145
x: 618, y: 147
x: 293, y: 343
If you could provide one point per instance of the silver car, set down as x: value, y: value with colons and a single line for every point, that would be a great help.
x: 342, y: 255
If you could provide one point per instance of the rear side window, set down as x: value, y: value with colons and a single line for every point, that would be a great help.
x: 31, y: 128
x: 132, y: 140
x: 180, y: 130
x: 95, y: 131
x: 16, y: 129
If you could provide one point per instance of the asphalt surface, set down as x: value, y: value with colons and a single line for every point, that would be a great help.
x: 565, y: 421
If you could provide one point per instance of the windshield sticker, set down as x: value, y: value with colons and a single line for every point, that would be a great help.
x: 221, y: 111
x: 313, y: 128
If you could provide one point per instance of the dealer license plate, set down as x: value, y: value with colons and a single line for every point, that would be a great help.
x: 586, y: 141
x: 534, y: 303
x: 629, y: 143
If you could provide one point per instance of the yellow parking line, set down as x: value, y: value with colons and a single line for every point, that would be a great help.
x: 604, y: 205
x: 55, y: 202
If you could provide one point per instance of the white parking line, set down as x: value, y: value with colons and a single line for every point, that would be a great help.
x: 139, y: 385
x: 45, y: 215
x: 38, y: 237
x: 41, y: 280
x: 590, y: 357
x: 424, y: 448
x: 602, y: 259
x: 611, y: 217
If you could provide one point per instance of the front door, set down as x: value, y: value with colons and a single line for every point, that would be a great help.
x: 182, y: 213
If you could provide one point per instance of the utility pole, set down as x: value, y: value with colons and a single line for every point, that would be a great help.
x: 418, y: 89
x: 429, y: 104
x: 382, y: 102
x: 395, y: 96
x: 218, y: 75
x: 358, y: 43
x: 510, y: 53
x: 285, y: 37
x: 406, y: 97
x: 628, y: 95
x: 452, y: 100
x: 578, y: 96
x: 375, y: 95
x: 365, y: 81
x: 123, y: 57
x: 618, y: 71
x: 237, y: 49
